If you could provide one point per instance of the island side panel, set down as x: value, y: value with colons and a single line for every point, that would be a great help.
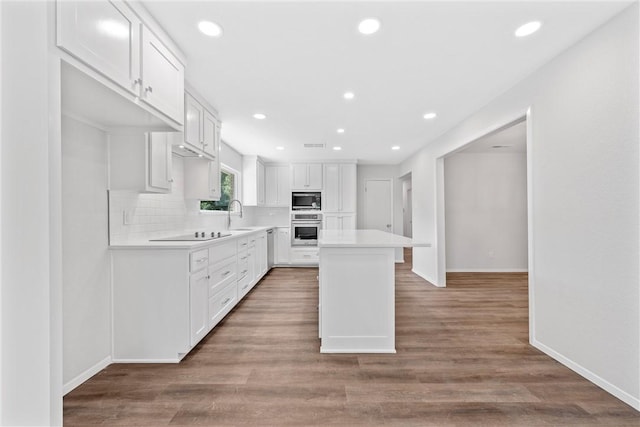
x: 150, y: 305
x: 357, y: 300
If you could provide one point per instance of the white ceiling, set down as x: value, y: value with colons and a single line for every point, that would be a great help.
x: 293, y: 61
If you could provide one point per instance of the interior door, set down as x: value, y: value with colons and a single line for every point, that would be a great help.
x: 408, y: 220
x: 377, y: 205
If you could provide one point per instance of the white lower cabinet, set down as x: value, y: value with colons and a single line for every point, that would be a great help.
x: 305, y: 256
x: 337, y: 221
x: 282, y: 246
x: 198, y: 321
x: 165, y: 300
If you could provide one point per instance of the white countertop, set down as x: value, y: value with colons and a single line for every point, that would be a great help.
x: 146, y: 244
x: 365, y: 239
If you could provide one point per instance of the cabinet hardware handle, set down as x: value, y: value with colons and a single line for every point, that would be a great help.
x: 245, y: 286
x: 202, y: 259
x: 226, y: 272
x: 244, y: 257
x: 137, y: 81
x: 148, y: 89
x: 171, y: 180
x: 226, y: 301
x: 244, y: 271
x: 208, y: 277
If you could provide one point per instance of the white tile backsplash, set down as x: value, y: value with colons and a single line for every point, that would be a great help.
x: 151, y: 216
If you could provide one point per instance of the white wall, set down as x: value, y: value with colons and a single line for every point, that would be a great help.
x: 30, y: 363
x: 486, y: 211
x: 85, y: 257
x: 583, y: 180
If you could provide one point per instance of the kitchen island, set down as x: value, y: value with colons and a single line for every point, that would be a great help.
x: 357, y: 290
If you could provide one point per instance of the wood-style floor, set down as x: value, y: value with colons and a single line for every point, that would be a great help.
x: 462, y: 359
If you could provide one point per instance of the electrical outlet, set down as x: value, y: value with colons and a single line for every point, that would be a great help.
x: 126, y: 217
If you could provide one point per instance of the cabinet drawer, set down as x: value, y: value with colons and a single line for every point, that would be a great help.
x: 222, y: 251
x: 244, y: 286
x: 243, y: 243
x: 243, y: 264
x: 304, y: 255
x: 221, y: 274
x: 222, y: 303
x: 199, y: 259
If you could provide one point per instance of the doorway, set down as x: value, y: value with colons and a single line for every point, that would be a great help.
x: 407, y: 206
x: 485, y: 202
x: 378, y: 206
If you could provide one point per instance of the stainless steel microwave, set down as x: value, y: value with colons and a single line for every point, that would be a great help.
x: 306, y: 201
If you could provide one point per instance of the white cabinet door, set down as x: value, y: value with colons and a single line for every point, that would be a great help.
x: 299, y: 176
x: 332, y: 222
x: 349, y: 222
x: 193, y: 121
x: 306, y: 176
x: 314, y: 176
x: 271, y: 185
x: 215, y: 186
x: 209, y: 143
x: 284, y: 186
x: 105, y: 35
x: 260, y: 184
x: 159, y: 162
x: 332, y: 192
x: 162, y: 77
x: 283, y: 246
x: 348, y: 187
x: 336, y: 221
x: 261, y: 254
x: 198, y: 305
x: 277, y: 185
x: 201, y: 179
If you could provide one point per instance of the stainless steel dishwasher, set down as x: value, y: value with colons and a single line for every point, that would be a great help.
x: 270, y: 247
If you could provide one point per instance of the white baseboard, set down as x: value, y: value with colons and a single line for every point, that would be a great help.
x: 66, y: 388
x: 630, y: 400
x: 146, y: 360
x: 487, y: 270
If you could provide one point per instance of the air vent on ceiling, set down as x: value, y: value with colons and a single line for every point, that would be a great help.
x: 313, y: 145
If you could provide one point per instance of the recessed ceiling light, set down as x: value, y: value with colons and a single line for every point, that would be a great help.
x: 340, y: 130
x: 180, y: 146
x: 210, y: 29
x: 528, y: 28
x: 259, y: 116
x: 348, y: 95
x: 337, y: 148
x: 395, y: 147
x: 369, y: 26
x: 200, y: 155
x: 429, y: 116
x: 280, y: 147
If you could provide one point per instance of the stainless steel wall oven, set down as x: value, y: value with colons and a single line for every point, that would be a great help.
x: 305, y: 228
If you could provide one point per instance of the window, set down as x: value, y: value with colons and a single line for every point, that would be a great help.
x: 228, y: 191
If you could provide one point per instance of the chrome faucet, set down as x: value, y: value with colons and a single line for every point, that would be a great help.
x: 229, y: 211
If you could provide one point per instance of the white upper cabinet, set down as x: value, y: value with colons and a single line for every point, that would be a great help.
x: 210, y: 134
x: 140, y: 161
x: 201, y: 128
x: 110, y: 38
x: 162, y: 77
x: 253, y: 177
x: 277, y: 185
x: 339, y: 187
x: 201, y: 179
x: 306, y: 176
x: 105, y: 35
x: 159, y: 162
